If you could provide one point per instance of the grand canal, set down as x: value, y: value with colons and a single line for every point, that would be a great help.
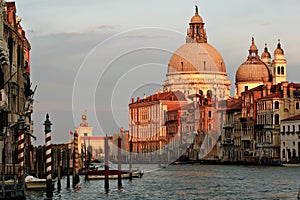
x: 192, y: 182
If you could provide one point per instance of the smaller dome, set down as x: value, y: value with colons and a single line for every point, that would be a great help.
x: 196, y: 19
x: 266, y: 53
x: 253, y: 69
x: 279, y: 50
x: 83, y: 117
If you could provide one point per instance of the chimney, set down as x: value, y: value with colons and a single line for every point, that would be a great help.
x: 291, y: 90
x: 284, y: 88
x: 132, y: 100
x: 138, y: 99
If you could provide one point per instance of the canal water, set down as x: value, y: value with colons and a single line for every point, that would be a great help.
x: 191, y: 182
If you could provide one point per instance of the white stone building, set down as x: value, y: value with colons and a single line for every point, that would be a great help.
x: 290, y: 139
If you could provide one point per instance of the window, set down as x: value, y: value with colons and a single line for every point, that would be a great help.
x: 283, y: 153
x: 246, y: 88
x: 209, y: 114
x: 209, y: 126
x: 282, y: 70
x: 297, y: 105
x: 276, y: 105
x: 283, y: 129
x: 293, y: 128
x: 85, y: 134
x: 278, y: 70
x: 276, y: 119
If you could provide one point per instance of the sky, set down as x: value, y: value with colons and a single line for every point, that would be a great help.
x: 91, y: 57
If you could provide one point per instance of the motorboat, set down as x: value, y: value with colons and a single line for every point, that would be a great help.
x: 33, y: 183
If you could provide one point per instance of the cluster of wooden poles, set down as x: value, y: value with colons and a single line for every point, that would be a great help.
x: 61, y: 160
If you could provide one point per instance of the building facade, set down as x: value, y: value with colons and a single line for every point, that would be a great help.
x: 290, y: 139
x: 147, y: 123
x: 15, y: 85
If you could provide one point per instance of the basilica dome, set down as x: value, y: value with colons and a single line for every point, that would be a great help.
x: 197, y: 66
x: 196, y: 58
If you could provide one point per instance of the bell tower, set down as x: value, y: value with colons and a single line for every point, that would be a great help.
x: 279, y: 65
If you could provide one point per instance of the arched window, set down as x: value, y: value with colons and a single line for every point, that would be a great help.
x: 278, y: 70
x: 283, y: 153
x: 276, y: 105
x: 297, y: 105
x: 209, y: 126
x: 282, y: 70
x: 276, y: 119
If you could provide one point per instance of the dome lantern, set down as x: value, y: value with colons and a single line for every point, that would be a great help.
x: 196, y: 32
x: 266, y: 53
x: 278, y: 50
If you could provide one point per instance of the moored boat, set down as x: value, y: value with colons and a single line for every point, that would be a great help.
x: 33, y: 183
x: 291, y: 164
x: 113, y: 174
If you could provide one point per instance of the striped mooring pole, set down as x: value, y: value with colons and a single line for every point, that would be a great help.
x: 76, y: 161
x: 21, y: 140
x: 47, y: 125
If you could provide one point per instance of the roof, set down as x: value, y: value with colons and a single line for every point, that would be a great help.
x: 294, y: 118
x: 196, y: 58
x: 167, y: 96
x: 277, y: 94
x: 237, y: 105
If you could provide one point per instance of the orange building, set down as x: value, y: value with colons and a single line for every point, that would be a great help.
x: 147, y: 123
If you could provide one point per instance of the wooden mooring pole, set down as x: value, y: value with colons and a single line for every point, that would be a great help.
x: 47, y: 125
x: 21, y: 123
x: 130, y: 159
x: 106, y: 181
x: 119, y: 164
x: 75, y: 161
x: 68, y: 167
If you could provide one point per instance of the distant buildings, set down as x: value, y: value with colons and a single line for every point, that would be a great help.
x: 195, y: 119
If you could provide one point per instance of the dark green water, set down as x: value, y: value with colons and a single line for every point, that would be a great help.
x: 192, y: 182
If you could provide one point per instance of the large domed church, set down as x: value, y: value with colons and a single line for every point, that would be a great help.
x: 197, y: 67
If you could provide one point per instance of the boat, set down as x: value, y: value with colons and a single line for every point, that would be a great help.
x: 113, y: 174
x: 33, y: 183
x: 12, y: 190
x: 291, y: 164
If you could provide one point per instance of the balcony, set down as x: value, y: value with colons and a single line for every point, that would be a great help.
x: 264, y: 126
x: 228, y: 126
x: 246, y: 138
